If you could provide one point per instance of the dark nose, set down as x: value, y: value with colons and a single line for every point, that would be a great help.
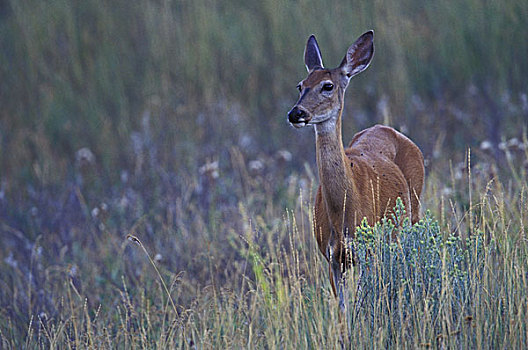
x: 296, y: 115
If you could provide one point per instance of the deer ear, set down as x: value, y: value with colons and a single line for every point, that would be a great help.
x: 312, y: 54
x: 359, y: 55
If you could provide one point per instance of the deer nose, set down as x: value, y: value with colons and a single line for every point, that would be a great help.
x: 297, y: 115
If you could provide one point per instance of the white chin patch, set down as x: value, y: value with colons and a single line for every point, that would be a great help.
x: 299, y: 125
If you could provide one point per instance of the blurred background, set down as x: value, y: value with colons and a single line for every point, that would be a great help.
x: 167, y: 119
x: 207, y: 75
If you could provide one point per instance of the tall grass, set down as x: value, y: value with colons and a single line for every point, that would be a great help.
x: 255, y: 278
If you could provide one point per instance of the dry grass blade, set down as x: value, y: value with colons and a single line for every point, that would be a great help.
x: 136, y: 240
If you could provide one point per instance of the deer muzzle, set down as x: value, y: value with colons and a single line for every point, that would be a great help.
x: 298, y: 117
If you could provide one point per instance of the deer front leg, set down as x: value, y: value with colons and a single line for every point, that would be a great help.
x: 337, y: 266
x: 338, y: 282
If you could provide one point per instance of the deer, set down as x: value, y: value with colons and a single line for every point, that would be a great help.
x: 361, y: 181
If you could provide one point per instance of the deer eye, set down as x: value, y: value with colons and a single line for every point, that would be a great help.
x: 328, y: 87
x: 299, y: 87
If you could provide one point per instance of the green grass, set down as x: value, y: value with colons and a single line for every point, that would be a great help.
x: 165, y: 121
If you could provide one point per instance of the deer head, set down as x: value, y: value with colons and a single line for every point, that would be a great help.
x: 322, y: 92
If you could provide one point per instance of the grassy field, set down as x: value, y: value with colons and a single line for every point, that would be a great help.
x: 152, y: 194
x: 148, y: 268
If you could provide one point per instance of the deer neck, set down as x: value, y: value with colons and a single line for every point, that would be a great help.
x: 334, y: 169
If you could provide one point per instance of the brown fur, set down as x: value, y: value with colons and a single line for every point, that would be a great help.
x: 381, y: 165
x: 365, y: 179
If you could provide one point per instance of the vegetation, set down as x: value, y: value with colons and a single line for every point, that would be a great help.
x: 143, y: 206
